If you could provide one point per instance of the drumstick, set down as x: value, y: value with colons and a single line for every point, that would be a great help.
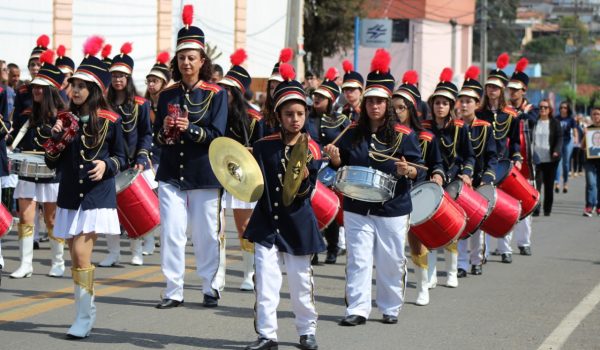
x: 337, y: 138
x: 33, y: 152
x: 397, y: 160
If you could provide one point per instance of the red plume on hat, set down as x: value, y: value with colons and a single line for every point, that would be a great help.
x: 446, y: 75
x: 106, y: 50
x: 61, y: 50
x: 521, y: 65
x: 286, y: 55
x: 331, y: 74
x: 47, y: 57
x: 381, y: 61
x: 348, y: 66
x: 472, y: 73
x: 92, y: 45
x: 502, y: 61
x: 410, y: 77
x: 187, y: 15
x: 238, y: 57
x: 287, y: 72
x: 126, y: 49
x: 163, y: 57
x: 43, y: 40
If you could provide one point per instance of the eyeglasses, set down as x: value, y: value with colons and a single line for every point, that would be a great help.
x: 544, y: 107
x: 152, y: 82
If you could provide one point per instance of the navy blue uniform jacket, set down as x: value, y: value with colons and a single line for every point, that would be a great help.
x: 506, y: 132
x: 484, y: 146
x: 324, y: 129
x: 4, y: 127
x: 137, y: 131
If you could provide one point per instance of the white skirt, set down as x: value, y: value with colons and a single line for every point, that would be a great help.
x: 10, y: 181
x: 39, y: 192
x: 71, y: 223
x: 233, y: 203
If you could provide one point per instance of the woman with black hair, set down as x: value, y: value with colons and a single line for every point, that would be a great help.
x: 191, y: 113
x: 569, y: 130
x: 135, y: 121
x: 271, y: 125
x: 245, y: 125
x: 87, y: 197
x: 33, y: 127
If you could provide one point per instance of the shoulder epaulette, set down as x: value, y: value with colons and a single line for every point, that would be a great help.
x: 314, y: 148
x: 26, y: 111
x: 426, y: 124
x: 274, y: 136
x: 23, y: 89
x: 139, y: 100
x: 209, y: 86
x: 480, y: 122
x: 402, y: 129
x: 176, y: 85
x: 254, y: 114
x: 426, y: 135
x: 459, y: 123
x: 110, y: 115
x: 510, y: 111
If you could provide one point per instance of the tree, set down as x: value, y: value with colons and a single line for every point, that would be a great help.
x: 503, y: 34
x: 328, y: 29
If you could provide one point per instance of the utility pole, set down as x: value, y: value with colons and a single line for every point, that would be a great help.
x: 576, y: 52
x: 453, y: 48
x: 483, y: 44
x: 294, y: 36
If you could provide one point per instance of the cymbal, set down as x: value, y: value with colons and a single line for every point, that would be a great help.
x: 236, y: 169
x: 294, y: 173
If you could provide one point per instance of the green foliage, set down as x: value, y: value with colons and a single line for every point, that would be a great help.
x: 539, y: 50
x: 503, y: 34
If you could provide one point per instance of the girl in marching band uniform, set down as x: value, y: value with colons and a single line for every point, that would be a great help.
x: 352, y: 88
x: 31, y: 129
x: 271, y: 124
x: 5, y: 125
x: 87, y: 196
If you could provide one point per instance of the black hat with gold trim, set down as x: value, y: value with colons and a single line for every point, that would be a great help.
x: 289, y: 88
x: 42, y: 43
x: 284, y: 57
x: 380, y: 81
x: 445, y: 87
x: 471, y: 87
x: 409, y: 89
x: 237, y: 76
x: 352, y: 79
x: 329, y: 88
x: 189, y: 37
x: 497, y: 76
x: 92, y: 69
x: 64, y: 63
x: 49, y: 74
x: 123, y: 62
x: 161, y: 68
x: 519, y: 79
x: 106, y: 50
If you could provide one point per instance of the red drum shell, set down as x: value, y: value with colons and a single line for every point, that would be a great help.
x: 339, y: 218
x: 472, y: 202
x: 325, y: 204
x: 445, y: 221
x: 6, y: 220
x: 516, y: 185
x: 137, y: 206
x: 503, y: 213
x: 524, y: 148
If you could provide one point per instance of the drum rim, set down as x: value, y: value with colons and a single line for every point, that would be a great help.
x: 510, y: 166
x: 460, y: 182
x: 135, y: 173
x: 437, y: 206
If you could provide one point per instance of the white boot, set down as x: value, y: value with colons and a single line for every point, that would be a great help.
x: 84, y: 302
x: 137, y: 258
x: 148, y: 244
x: 248, y: 261
x: 432, y: 269
x: 113, y: 244
x: 58, y: 263
x: 26, y: 252
x: 451, y: 268
x: 422, y: 286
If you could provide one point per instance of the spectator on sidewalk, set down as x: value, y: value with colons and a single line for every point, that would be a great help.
x: 568, y: 125
x: 592, y: 170
x: 578, y: 156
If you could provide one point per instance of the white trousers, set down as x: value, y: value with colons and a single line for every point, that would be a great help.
x: 503, y: 244
x: 523, y: 232
x: 379, y: 240
x: 202, y: 209
x: 268, y: 278
x: 470, y: 251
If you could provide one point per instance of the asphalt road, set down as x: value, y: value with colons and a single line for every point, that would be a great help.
x: 517, y: 306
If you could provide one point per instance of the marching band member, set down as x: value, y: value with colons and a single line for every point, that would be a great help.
x: 324, y: 125
x: 528, y: 115
x: 135, y: 122
x: 406, y: 101
x: 5, y: 125
x: 33, y: 126
x: 483, y: 143
x: 271, y: 125
x: 86, y: 195
x: 458, y: 158
x: 67, y: 67
x: 376, y: 231
x: 285, y: 236
x: 191, y: 113
x: 244, y: 124
x: 503, y: 118
x: 156, y: 81
x: 352, y: 88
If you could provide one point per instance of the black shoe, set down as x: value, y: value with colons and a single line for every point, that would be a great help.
x: 315, y: 260
x: 353, y: 320
x: 210, y: 301
x: 507, y: 258
x: 525, y: 250
x: 494, y: 252
x: 537, y: 213
x: 331, y: 258
x: 556, y: 188
x: 263, y: 344
x: 389, y: 319
x: 169, y: 303
x: 308, y: 342
x: 461, y: 273
x: 476, y: 270
x: 36, y: 245
x: 546, y: 213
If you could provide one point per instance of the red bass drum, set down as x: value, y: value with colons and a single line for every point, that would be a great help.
x: 511, y: 181
x: 473, y: 203
x: 503, y: 211
x: 325, y: 204
x: 137, y: 204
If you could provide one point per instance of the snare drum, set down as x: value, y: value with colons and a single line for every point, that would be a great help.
x: 325, y: 204
x: 503, y: 211
x: 29, y: 165
x: 436, y: 219
x: 473, y: 203
x: 6, y: 220
x: 137, y: 204
x: 365, y: 184
x: 511, y: 181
